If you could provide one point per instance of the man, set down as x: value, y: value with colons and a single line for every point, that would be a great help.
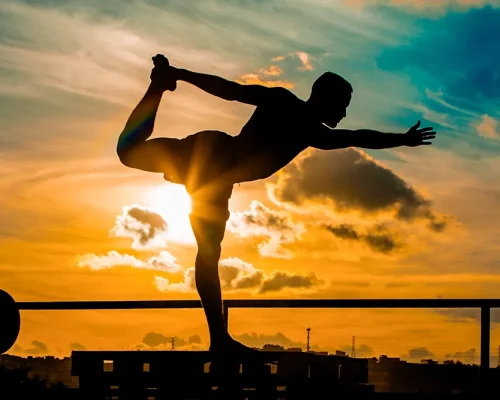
x: 209, y: 163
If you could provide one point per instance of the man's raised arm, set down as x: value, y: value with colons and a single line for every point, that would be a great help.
x: 227, y: 90
x: 329, y: 139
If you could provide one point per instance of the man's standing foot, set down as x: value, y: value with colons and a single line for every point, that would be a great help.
x: 229, y: 345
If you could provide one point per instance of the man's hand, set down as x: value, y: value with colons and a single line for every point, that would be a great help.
x: 417, y: 137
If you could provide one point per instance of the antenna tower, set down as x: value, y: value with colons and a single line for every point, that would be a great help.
x: 308, y: 339
x: 353, y: 350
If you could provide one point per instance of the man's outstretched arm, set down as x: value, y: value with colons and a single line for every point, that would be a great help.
x: 329, y: 139
x: 228, y: 90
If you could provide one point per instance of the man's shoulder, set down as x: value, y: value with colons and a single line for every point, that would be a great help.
x: 282, y: 97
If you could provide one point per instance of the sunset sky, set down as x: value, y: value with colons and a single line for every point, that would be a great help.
x: 421, y: 222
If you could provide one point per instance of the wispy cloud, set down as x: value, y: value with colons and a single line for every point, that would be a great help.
x: 164, y: 262
x: 488, y: 128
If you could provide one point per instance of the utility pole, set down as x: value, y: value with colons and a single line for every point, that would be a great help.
x: 353, y: 350
x: 308, y: 339
x: 173, y: 343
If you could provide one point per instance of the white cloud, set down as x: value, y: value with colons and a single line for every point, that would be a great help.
x: 260, y: 220
x: 305, y: 59
x: 488, y: 128
x: 164, y: 262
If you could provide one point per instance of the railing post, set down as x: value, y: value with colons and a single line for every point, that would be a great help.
x: 485, y: 346
x: 226, y: 314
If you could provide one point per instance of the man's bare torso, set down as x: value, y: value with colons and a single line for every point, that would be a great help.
x: 273, y: 136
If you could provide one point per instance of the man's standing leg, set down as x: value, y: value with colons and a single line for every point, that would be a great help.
x: 208, y: 221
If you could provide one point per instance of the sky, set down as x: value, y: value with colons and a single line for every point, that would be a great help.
x: 353, y: 223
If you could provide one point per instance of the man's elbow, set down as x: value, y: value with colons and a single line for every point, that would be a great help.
x: 124, y: 153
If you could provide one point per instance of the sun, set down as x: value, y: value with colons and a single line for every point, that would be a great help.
x: 173, y: 203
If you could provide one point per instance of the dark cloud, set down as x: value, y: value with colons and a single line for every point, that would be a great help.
x: 143, y: 225
x: 417, y: 354
x: 343, y: 231
x: 259, y: 340
x: 77, y: 346
x: 352, y: 180
x: 378, y: 238
x: 280, y: 280
x: 37, y: 348
x: 194, y: 339
x: 362, y: 350
x: 155, y: 339
x: 236, y: 274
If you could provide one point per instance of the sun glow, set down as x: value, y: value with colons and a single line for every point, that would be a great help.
x: 173, y: 203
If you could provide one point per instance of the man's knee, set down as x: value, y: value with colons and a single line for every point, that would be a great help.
x: 208, y: 256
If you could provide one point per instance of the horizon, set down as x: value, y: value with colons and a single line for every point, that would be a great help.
x: 395, y: 223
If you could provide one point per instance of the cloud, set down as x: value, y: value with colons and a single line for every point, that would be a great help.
x: 423, y: 5
x: 281, y: 279
x: 236, y: 274
x: 146, y: 227
x: 37, y: 348
x: 379, y: 239
x: 350, y: 180
x: 305, y: 59
x: 77, y: 346
x: 255, y: 79
x: 260, y: 220
x: 417, y: 354
x: 362, y: 350
x: 465, y: 315
x: 272, y: 70
x: 196, y: 339
x: 187, y: 284
x: 164, y: 262
x: 155, y: 339
x: 488, y: 128
x: 470, y: 356
x: 278, y: 58
x: 260, y: 339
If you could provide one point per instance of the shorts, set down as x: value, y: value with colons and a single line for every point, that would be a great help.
x: 203, y: 162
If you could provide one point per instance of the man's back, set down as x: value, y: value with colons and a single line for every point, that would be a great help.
x: 273, y: 136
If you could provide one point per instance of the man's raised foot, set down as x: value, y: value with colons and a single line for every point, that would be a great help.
x: 163, y: 75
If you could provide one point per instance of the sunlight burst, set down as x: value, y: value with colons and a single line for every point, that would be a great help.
x: 173, y: 203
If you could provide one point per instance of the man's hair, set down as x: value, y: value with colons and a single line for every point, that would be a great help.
x: 330, y: 84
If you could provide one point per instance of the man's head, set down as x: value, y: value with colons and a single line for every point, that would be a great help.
x: 330, y: 97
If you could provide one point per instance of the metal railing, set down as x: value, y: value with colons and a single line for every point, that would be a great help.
x: 485, y: 305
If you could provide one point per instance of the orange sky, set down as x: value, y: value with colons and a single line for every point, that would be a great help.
x: 341, y: 230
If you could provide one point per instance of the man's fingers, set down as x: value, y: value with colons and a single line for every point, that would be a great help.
x: 426, y: 143
x: 429, y: 128
x: 416, y: 125
x: 426, y: 137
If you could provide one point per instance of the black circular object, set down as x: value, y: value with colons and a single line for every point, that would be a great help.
x: 10, y: 321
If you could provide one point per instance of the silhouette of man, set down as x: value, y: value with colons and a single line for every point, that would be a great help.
x: 209, y: 163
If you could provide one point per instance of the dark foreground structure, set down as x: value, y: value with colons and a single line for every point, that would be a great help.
x: 280, y: 375
x: 198, y: 375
